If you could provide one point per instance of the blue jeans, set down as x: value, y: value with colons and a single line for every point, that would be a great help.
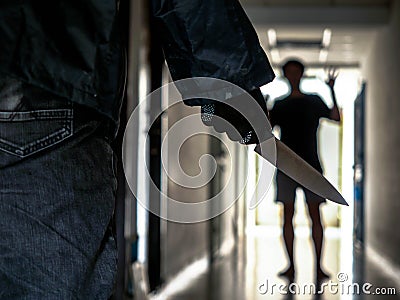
x: 57, y: 191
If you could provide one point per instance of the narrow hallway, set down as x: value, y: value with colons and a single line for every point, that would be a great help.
x: 250, y: 272
x: 359, y: 38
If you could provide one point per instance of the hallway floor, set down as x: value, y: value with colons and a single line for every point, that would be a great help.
x: 250, y: 272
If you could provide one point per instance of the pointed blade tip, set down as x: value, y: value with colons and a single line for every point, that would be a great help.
x: 340, y: 202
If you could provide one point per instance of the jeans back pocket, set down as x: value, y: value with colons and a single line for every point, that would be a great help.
x: 27, y: 132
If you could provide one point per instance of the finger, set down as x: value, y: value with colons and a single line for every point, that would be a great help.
x: 336, y: 73
x: 333, y: 72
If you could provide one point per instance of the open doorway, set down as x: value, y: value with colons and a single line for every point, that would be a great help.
x: 336, y: 144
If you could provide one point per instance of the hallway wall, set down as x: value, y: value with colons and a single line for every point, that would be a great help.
x: 382, y: 72
x: 183, y: 244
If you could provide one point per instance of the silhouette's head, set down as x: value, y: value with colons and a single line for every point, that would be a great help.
x: 293, y: 70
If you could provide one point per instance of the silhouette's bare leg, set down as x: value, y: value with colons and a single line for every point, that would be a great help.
x: 317, y: 236
x: 288, y: 236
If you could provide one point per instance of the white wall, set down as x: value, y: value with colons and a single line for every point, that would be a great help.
x: 185, y: 243
x: 382, y: 73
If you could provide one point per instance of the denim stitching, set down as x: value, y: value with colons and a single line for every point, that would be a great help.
x: 36, y: 115
x: 45, y: 142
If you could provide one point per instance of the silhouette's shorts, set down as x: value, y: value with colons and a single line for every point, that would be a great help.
x: 286, y: 190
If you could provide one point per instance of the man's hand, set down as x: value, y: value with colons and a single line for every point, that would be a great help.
x: 332, y: 75
x: 239, y: 120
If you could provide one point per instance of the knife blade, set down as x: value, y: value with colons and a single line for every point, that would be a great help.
x: 287, y: 161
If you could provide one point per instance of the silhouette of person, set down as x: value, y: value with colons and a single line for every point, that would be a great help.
x: 298, y: 117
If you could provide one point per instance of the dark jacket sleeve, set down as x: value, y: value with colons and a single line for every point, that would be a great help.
x: 211, y: 38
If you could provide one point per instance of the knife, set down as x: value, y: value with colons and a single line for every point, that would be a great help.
x: 287, y: 161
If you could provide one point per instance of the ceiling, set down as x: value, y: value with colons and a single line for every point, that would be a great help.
x: 296, y: 28
x: 317, y: 2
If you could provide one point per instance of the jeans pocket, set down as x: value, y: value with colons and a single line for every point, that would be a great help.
x: 23, y: 133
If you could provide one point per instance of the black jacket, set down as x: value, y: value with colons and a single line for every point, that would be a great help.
x: 73, y: 47
x: 211, y: 38
x: 68, y: 47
